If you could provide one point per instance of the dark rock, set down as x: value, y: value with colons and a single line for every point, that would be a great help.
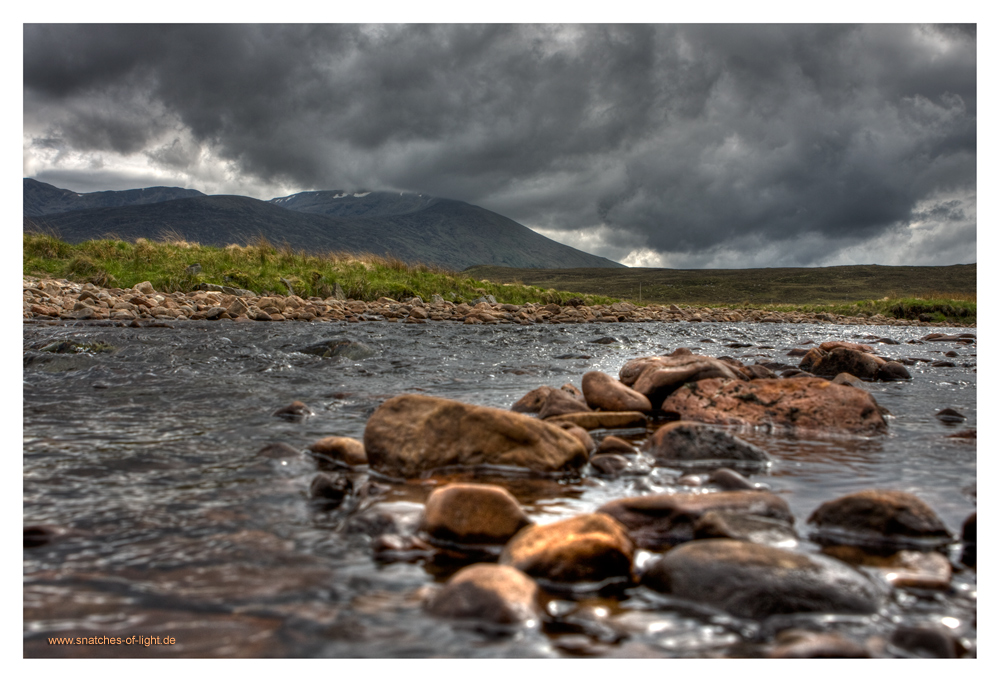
x: 413, y: 434
x: 801, y: 404
x: 278, y: 451
x: 656, y: 522
x: 942, y: 363
x: 951, y: 354
x: 905, y: 568
x: 350, y: 451
x: 38, y: 535
x: 969, y: 529
x: 603, y: 392
x: 845, y: 379
x: 950, y: 416
x: 382, y: 518
x: 759, y: 372
x: 892, y: 371
x: 609, y: 465
x: 925, y: 642
x: 339, y: 348
x: 879, y: 519
x: 588, y: 548
x: 888, y: 341
x: 330, y: 488
x: 693, y: 444
x: 614, y: 444
x: 967, y: 433
x: 294, y: 411
x: 487, y: 592
x: 798, y: 352
x: 470, y: 513
x: 753, y: 581
x: 831, y: 363
x: 605, y: 340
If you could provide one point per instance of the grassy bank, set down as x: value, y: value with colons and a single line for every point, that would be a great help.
x: 261, y: 267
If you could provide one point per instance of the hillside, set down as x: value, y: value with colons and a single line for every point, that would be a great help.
x: 43, y: 199
x: 411, y: 227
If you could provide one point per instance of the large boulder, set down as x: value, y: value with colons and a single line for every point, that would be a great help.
x: 806, y: 404
x: 589, y: 548
x: 690, y: 444
x: 561, y: 402
x: 754, y: 581
x: 604, y: 392
x: 471, y: 514
x: 487, y: 592
x: 659, y: 521
x: 410, y: 435
x: 879, y: 519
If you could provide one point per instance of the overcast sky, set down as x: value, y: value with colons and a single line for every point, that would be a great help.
x: 657, y: 145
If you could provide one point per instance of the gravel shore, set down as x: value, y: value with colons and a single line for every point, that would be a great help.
x: 60, y: 299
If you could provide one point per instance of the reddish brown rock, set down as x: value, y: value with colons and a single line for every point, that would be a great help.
x: 754, y: 581
x: 532, y: 400
x: 667, y: 374
x: 294, y: 411
x: 603, y: 420
x: 799, y: 404
x: 586, y: 548
x: 660, y: 521
x: 604, y: 392
x: 614, y: 444
x: 690, y: 443
x: 580, y: 434
x: 829, y: 363
x: 413, y: 434
x: 488, y: 592
x: 347, y: 450
x: 878, y: 519
x: 470, y: 513
x: 561, y: 402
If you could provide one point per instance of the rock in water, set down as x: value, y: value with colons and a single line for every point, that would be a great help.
x: 471, y: 513
x: 682, y: 444
x: 339, y: 348
x: 413, y: 434
x: 754, y: 581
x: 604, y: 392
x: 487, y: 592
x: 879, y: 519
x: 799, y: 404
x: 347, y: 450
x: 588, y: 548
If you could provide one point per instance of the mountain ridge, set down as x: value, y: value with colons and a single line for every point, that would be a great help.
x: 411, y: 227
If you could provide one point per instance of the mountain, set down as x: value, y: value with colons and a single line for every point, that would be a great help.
x: 43, y: 199
x: 412, y: 227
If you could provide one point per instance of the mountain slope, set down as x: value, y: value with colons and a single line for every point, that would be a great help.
x: 41, y: 198
x: 412, y: 227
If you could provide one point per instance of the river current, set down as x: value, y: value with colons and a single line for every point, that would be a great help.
x: 169, y: 524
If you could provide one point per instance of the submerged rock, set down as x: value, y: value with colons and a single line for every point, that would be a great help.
x: 471, y: 513
x: 589, y: 548
x: 660, y: 521
x: 294, y: 411
x: 753, y: 581
x: 487, y: 592
x: 806, y: 644
x: 413, y: 434
x: 799, y: 404
x: 736, y: 526
x: 339, y: 348
x: 685, y: 443
x: 330, y: 488
x: 879, y: 519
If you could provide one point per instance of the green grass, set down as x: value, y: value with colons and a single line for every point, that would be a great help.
x: 261, y: 266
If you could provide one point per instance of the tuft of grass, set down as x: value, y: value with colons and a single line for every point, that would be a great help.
x: 263, y: 267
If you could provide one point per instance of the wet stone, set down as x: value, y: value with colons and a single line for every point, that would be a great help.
x: 604, y: 420
x: 559, y: 403
x: 532, y: 401
x: 727, y: 479
x: 615, y: 445
x: 879, y: 519
x: 759, y: 529
x: 609, y: 466
x: 683, y: 444
x: 339, y: 348
x: 580, y: 434
x: 278, y: 451
x: 329, y: 488
x: 950, y: 416
x: 753, y: 581
x: 294, y: 411
x: 332, y: 449
x: 925, y: 642
x: 660, y: 521
x: 591, y: 548
x: 470, y: 513
x: 806, y: 644
x: 487, y: 592
x: 604, y: 392
x: 905, y: 568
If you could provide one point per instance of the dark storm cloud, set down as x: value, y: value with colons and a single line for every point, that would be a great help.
x: 680, y: 139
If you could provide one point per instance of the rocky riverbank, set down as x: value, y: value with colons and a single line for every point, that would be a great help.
x: 59, y: 299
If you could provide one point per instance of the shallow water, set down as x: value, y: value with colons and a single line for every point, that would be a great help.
x: 146, y: 456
